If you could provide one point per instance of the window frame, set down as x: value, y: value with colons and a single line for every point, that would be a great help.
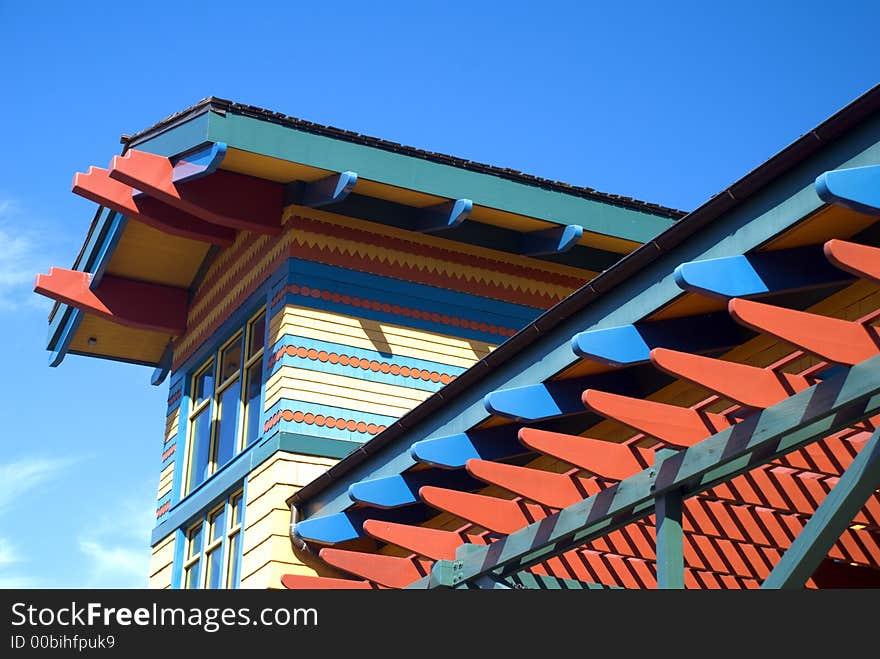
x: 212, y: 402
x: 219, y: 548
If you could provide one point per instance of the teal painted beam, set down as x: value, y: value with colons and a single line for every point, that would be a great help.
x: 529, y: 581
x: 831, y: 518
x: 422, y: 175
x: 825, y: 408
x: 670, y: 542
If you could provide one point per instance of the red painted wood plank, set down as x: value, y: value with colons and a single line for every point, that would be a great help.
x: 224, y: 198
x: 747, y: 385
x: 606, y: 459
x: 680, y: 426
x: 97, y: 186
x: 544, y: 487
x: 391, y: 571
x: 861, y: 260
x: 124, y: 301
x: 499, y: 515
x: 839, y: 341
x: 431, y: 543
x: 308, y: 582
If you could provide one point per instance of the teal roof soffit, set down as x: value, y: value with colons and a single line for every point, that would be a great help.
x: 778, y: 205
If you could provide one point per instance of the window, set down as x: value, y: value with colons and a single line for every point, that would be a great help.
x: 213, y: 547
x: 225, y: 415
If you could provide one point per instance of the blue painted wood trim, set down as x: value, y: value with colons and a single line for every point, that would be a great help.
x: 161, y: 371
x: 66, y: 338
x: 403, y: 489
x: 759, y: 274
x: 105, y: 253
x: 329, y: 190
x: 348, y: 525
x: 442, y: 217
x: 229, y: 478
x: 857, y: 188
x: 453, y: 451
x: 551, y: 241
x: 626, y: 345
x: 198, y: 163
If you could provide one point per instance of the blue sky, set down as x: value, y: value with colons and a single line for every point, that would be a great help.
x: 667, y: 102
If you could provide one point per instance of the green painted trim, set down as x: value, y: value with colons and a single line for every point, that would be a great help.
x: 830, y: 406
x: 834, y: 514
x: 179, y: 137
x: 322, y: 447
x: 529, y: 581
x: 754, y: 222
x: 670, y: 542
x: 277, y: 141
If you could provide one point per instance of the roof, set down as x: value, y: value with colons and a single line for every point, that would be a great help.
x: 212, y: 103
x: 735, y: 195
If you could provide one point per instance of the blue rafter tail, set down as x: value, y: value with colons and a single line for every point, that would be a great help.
x: 441, y: 217
x: 857, y: 189
x: 329, y: 190
x: 551, y: 241
x: 198, y: 163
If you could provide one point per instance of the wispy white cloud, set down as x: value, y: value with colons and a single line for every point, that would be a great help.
x: 22, y: 255
x: 116, y: 546
x: 19, y: 476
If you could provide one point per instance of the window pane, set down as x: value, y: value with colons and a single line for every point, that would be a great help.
x: 236, y: 510
x: 252, y: 403
x: 200, y: 448
x: 204, y: 385
x: 195, y: 541
x: 257, y: 335
x: 226, y: 431
x: 218, y: 523
x: 213, y: 567
x: 232, y: 568
x: 192, y: 576
x: 230, y: 360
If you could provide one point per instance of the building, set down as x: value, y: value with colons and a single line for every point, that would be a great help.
x: 394, y: 368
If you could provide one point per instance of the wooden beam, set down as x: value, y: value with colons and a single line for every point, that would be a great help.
x: 198, y: 163
x: 861, y: 260
x: 839, y: 341
x: 453, y: 451
x: 97, y: 186
x: 544, y: 487
x: 126, y: 302
x: 679, y: 426
x: 224, y: 198
x: 499, y: 515
x: 746, y: 385
x: 670, y: 542
x: 431, y: 543
x: 761, y: 273
x: 390, y: 571
x: 627, y: 345
x: 328, y: 190
x: 857, y: 188
x: 403, y: 489
x: 606, y: 459
x: 833, y: 516
x: 556, y: 240
x: 442, y: 217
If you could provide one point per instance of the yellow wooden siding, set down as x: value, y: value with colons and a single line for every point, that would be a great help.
x: 114, y: 340
x: 172, y: 424
x: 161, y: 561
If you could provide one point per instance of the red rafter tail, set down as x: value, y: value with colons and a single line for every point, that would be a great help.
x: 544, y: 487
x: 747, y: 385
x: 127, y: 302
x: 97, y: 186
x: 431, y: 543
x: 680, y: 426
x: 224, y: 198
x: 861, y: 260
x: 390, y: 571
x: 309, y: 582
x: 499, y: 515
x: 605, y: 459
x: 839, y: 341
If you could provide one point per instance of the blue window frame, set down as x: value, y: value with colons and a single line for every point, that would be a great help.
x: 212, y: 558
x: 224, y: 416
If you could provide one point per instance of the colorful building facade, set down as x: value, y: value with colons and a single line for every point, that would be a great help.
x: 390, y: 368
